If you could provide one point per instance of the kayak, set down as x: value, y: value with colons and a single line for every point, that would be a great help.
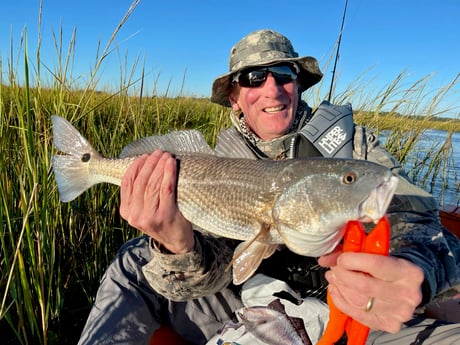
x: 450, y: 218
x: 166, y: 335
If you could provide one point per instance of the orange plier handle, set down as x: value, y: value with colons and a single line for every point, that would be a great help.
x: 355, y: 240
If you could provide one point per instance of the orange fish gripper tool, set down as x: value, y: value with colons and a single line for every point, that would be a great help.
x: 355, y: 240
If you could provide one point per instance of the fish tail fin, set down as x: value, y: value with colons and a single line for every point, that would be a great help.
x: 71, y: 175
x: 71, y: 171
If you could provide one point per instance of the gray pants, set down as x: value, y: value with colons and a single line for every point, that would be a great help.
x: 128, y: 311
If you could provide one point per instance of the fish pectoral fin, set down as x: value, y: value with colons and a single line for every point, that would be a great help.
x: 245, y: 245
x: 247, y: 259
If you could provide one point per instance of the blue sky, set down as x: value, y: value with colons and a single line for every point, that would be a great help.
x: 192, y: 39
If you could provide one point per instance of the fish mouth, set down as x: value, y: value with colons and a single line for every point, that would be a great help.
x: 376, y: 204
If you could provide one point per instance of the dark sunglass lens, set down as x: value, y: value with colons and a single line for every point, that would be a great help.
x: 252, y: 78
x: 283, y: 74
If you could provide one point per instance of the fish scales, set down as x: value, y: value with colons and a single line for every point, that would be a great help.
x: 228, y: 197
x: 301, y: 203
x: 270, y: 326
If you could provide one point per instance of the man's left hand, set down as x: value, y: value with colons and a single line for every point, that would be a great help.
x: 394, y: 284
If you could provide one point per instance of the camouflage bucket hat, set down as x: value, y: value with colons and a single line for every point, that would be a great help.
x: 263, y: 48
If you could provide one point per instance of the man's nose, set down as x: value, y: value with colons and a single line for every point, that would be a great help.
x: 271, y: 84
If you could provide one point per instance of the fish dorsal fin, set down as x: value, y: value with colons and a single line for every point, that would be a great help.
x: 186, y: 141
x: 229, y: 144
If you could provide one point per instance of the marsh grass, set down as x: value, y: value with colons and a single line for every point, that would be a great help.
x: 53, y: 254
x: 410, y: 109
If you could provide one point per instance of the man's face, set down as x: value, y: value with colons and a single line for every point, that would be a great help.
x: 270, y: 108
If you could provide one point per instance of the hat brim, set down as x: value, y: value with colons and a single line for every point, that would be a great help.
x: 309, y: 75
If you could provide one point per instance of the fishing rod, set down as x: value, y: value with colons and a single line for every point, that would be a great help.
x: 337, y: 52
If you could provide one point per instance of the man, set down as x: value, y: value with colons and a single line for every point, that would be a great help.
x: 176, y: 276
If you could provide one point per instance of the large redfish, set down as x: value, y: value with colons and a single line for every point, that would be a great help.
x: 301, y: 203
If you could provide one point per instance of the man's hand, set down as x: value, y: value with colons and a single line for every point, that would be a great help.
x: 148, y: 201
x: 395, y: 285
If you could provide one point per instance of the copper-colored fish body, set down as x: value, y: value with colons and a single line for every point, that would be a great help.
x: 301, y: 203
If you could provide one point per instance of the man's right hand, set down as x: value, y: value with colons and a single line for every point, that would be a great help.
x: 148, y: 201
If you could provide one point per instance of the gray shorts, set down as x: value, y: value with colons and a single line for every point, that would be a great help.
x: 128, y: 311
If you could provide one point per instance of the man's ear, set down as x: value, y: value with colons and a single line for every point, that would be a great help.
x: 234, y: 102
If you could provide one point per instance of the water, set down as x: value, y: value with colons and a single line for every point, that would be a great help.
x: 445, y: 185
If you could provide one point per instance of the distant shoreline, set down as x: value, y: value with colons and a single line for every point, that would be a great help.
x: 394, y: 121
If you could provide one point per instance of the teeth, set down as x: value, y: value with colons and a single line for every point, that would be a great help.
x: 274, y: 109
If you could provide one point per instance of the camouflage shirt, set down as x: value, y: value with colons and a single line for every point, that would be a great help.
x: 417, y: 234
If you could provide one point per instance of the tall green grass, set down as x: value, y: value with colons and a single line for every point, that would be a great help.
x: 53, y: 254
x: 402, y: 111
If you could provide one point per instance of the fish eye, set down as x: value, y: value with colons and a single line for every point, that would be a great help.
x: 349, y: 178
x: 86, y: 157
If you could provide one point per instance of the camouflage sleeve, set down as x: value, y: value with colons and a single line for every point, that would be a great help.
x: 201, y: 272
x: 417, y: 234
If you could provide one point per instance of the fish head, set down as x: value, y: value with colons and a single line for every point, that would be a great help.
x: 257, y: 315
x: 321, y: 195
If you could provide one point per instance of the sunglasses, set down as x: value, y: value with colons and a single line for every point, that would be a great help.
x: 283, y: 74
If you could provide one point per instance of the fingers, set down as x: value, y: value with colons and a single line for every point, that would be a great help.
x: 127, y: 185
x: 148, y: 201
x: 158, y: 188
x: 141, y: 186
x: 169, y: 181
x: 394, y: 284
x: 138, y: 185
x: 330, y: 259
x: 383, y: 315
x: 383, y: 267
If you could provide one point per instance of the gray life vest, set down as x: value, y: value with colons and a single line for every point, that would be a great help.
x: 329, y: 133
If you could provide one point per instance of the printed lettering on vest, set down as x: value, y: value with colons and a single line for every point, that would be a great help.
x: 333, y: 139
x: 328, y: 133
